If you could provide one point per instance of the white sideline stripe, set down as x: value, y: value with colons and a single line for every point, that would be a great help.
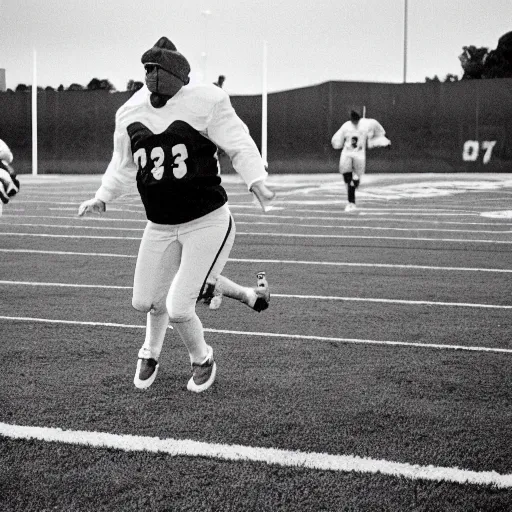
x: 273, y: 335
x: 279, y: 224
x: 499, y: 222
x: 69, y: 253
x: 281, y: 235
x: 418, y: 239
x: 392, y: 301
x: 287, y: 262
x: 274, y: 456
x: 282, y: 295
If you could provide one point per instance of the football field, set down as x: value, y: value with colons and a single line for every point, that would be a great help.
x: 380, y: 378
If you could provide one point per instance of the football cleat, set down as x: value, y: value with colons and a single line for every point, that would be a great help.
x: 262, y: 293
x: 216, y: 301
x: 203, y: 374
x: 351, y: 207
x: 147, y: 368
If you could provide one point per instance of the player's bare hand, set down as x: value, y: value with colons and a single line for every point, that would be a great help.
x: 264, y: 195
x: 91, y: 206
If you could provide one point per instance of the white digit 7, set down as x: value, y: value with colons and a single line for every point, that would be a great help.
x: 180, y: 153
x: 488, y: 145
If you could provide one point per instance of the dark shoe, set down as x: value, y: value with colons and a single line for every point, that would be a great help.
x: 147, y: 368
x: 203, y: 374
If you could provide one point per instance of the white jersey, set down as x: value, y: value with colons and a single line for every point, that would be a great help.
x: 354, y: 138
x: 169, y: 152
x: 5, y: 152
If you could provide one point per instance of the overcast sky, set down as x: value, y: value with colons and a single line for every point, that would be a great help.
x: 308, y: 42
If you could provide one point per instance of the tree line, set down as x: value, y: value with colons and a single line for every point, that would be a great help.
x: 478, y: 63
x: 95, y: 84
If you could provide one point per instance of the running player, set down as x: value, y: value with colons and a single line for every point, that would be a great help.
x: 352, y: 138
x: 165, y: 140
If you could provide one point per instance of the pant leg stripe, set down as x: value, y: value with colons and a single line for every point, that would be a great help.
x: 203, y: 287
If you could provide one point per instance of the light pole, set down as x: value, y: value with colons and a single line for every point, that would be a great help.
x: 204, y: 55
x: 405, y: 41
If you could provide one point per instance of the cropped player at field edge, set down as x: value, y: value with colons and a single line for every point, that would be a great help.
x: 9, y: 184
x: 352, y: 138
x: 165, y: 140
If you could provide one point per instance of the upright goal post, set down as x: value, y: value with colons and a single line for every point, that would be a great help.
x: 34, y: 115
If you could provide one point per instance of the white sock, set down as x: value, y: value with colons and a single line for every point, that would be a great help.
x: 156, y: 327
x: 192, y: 334
x: 235, y: 291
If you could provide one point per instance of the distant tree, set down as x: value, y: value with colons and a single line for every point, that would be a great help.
x: 49, y: 88
x: 482, y: 63
x: 107, y: 85
x: 22, y: 88
x: 499, y: 62
x: 76, y: 87
x: 60, y: 88
x: 134, y: 86
x: 451, y: 78
x: 472, y: 60
x: 94, y: 84
x: 100, y: 85
x: 434, y: 79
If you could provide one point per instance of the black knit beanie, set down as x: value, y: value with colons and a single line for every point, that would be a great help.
x: 165, y: 54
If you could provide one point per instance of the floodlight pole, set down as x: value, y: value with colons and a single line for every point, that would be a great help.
x: 206, y: 13
x: 264, y: 106
x: 34, y: 115
x: 405, y: 40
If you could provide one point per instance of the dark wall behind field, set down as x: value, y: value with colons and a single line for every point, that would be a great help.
x: 434, y: 127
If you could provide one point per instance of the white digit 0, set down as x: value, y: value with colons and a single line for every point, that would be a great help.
x: 470, y: 151
x: 180, y: 153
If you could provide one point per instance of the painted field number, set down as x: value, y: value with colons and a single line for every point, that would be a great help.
x: 472, y: 148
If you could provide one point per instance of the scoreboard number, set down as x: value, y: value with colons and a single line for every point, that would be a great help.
x: 472, y: 149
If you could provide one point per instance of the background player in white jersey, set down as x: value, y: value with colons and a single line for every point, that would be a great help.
x: 9, y: 184
x: 165, y: 141
x: 353, y: 138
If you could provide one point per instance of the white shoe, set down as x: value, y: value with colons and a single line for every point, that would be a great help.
x: 351, y: 207
x: 147, y: 368
x: 203, y: 374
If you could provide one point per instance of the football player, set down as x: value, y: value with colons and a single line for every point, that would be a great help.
x: 9, y: 184
x: 353, y: 138
x: 165, y: 139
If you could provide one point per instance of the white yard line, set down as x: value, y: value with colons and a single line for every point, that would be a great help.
x: 280, y: 235
x: 278, y: 224
x: 274, y: 335
x: 279, y: 262
x: 141, y: 219
x: 274, y: 456
x: 281, y: 295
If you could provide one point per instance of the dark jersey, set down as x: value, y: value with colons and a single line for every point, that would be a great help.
x: 169, y: 152
x: 177, y: 172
